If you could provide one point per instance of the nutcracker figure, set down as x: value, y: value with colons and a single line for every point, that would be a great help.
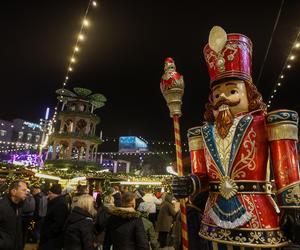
x: 233, y: 152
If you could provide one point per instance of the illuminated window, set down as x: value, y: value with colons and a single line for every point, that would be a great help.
x: 20, y: 135
x: 3, y: 132
x: 29, y: 136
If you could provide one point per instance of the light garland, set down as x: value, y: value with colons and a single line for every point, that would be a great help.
x: 136, y: 153
x: 286, y: 67
x: 149, y: 142
x: 73, y: 59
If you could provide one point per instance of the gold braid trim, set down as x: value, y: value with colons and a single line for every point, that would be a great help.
x: 282, y: 130
x: 196, y: 143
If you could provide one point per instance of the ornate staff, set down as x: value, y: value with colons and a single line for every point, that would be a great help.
x: 172, y: 88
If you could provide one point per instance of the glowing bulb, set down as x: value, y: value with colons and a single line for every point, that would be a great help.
x: 279, y: 84
x: 67, y: 77
x: 81, y: 37
x: 76, y: 49
x: 86, y: 22
x: 268, y: 106
x: 70, y: 69
x: 64, y: 84
x: 275, y: 90
x: 94, y: 3
x: 73, y: 59
x: 272, y: 96
x: 297, y: 45
x: 289, y: 66
x: 292, y: 57
x: 281, y: 76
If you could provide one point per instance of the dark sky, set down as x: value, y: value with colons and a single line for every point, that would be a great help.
x: 123, y: 54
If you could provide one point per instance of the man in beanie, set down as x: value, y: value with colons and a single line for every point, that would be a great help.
x: 52, y: 228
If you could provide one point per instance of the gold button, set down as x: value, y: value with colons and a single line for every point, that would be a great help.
x: 254, y: 187
x: 242, y: 187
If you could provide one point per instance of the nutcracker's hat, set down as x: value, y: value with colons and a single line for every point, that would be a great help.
x: 228, y: 56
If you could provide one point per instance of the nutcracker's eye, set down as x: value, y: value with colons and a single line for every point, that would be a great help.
x: 233, y: 91
x: 217, y: 96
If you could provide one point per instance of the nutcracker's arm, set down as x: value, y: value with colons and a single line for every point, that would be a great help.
x: 282, y: 128
x: 198, y: 163
x: 197, y: 181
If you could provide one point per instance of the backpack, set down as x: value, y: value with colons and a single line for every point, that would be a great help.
x: 43, y: 205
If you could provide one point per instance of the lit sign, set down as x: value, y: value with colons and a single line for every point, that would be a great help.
x: 132, y: 144
x: 26, y: 159
x: 32, y: 125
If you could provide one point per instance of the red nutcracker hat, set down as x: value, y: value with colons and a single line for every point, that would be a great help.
x: 228, y: 56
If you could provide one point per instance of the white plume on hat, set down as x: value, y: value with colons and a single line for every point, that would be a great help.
x: 217, y: 38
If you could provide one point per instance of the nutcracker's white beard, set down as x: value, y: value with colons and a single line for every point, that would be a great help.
x: 224, y: 119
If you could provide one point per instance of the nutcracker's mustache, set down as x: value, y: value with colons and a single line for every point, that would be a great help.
x: 225, y: 101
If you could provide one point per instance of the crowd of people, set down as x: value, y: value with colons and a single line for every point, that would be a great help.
x: 119, y: 220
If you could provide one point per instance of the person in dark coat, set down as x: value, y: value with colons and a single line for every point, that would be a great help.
x: 102, y: 218
x: 195, y: 211
x: 10, y: 217
x: 52, y: 227
x: 165, y: 220
x: 125, y: 229
x: 78, y: 230
x: 40, y: 210
x: 117, y: 196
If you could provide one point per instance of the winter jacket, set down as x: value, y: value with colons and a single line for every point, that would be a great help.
x: 102, y: 218
x: 151, y: 235
x: 153, y: 201
x: 194, y: 218
x: 78, y: 231
x: 52, y: 227
x: 125, y: 230
x: 117, y: 199
x: 10, y: 225
x: 166, y: 215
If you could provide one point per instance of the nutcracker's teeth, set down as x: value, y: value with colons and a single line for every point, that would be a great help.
x: 223, y: 107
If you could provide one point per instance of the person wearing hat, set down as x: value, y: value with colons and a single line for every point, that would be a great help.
x: 52, y: 228
x: 229, y: 156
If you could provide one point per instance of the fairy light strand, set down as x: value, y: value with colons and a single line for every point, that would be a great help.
x: 72, y: 60
x: 286, y: 67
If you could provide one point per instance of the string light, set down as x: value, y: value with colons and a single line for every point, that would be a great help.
x: 287, y: 66
x: 86, y: 23
x: 81, y: 37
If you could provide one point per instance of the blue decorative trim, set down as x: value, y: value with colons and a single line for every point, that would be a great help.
x: 229, y: 210
x: 239, y: 134
x: 208, y: 135
x: 195, y: 131
x: 290, y: 197
x: 282, y: 116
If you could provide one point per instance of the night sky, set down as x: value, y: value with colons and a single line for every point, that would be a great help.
x: 123, y: 56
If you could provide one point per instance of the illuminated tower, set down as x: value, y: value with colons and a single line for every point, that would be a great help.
x: 75, y: 137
